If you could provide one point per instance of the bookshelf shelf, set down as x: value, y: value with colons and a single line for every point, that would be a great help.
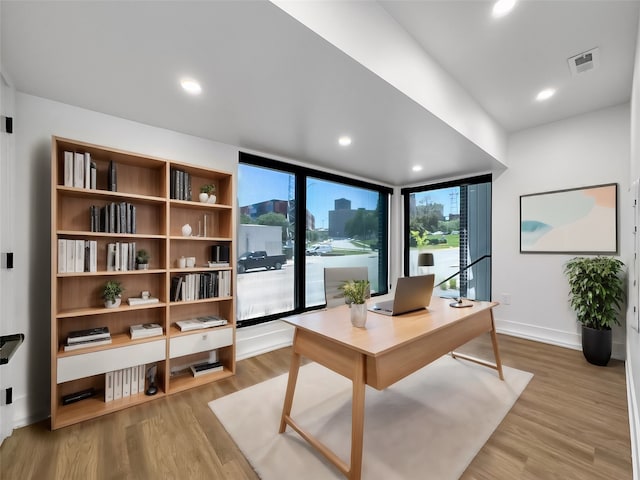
x: 176, y: 332
x: 124, y: 192
x: 82, y: 233
x: 85, y: 312
x: 108, y: 195
x: 202, y: 300
x: 107, y: 273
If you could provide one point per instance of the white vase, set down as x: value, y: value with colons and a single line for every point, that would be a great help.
x: 204, y: 197
x: 358, y: 314
x: 212, y: 199
x: 112, y: 304
x: 186, y: 230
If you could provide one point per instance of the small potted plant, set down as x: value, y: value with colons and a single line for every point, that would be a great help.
x: 142, y: 259
x: 207, y: 193
x: 596, y: 293
x: 356, y: 293
x: 112, y: 293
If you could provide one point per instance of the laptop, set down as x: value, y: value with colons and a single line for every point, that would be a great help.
x: 412, y: 293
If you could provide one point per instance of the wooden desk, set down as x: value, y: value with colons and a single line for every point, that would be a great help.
x: 385, y: 351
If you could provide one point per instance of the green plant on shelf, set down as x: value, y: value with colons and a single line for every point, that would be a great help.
x: 112, y: 290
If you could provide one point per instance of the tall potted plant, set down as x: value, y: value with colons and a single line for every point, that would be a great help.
x: 596, y: 293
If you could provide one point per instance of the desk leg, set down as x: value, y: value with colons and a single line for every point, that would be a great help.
x: 496, y: 351
x: 357, y: 419
x: 291, y: 387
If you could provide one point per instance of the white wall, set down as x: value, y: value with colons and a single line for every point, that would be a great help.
x: 589, y: 149
x: 36, y: 121
x: 633, y: 337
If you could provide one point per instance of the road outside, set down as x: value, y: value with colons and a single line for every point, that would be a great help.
x: 262, y: 293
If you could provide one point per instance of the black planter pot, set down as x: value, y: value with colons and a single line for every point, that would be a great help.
x: 596, y: 345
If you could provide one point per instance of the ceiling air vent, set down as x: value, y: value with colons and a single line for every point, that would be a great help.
x: 584, y: 62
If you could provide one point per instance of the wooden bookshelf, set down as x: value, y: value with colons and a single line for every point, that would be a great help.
x: 145, y: 183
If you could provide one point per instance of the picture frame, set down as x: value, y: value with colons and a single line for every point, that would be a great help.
x: 582, y: 220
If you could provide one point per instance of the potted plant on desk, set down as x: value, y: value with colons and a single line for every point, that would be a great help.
x: 596, y: 294
x: 356, y: 293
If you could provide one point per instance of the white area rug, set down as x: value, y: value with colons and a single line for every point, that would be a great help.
x: 429, y: 425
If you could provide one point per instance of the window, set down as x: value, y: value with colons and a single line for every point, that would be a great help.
x: 297, y: 221
x: 452, y: 221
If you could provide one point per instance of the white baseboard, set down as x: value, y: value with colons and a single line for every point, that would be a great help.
x: 262, y: 338
x: 551, y: 336
x: 22, y: 416
x: 634, y: 417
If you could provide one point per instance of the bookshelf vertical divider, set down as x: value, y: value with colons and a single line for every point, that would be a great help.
x: 121, y: 203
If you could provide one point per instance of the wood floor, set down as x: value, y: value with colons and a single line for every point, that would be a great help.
x: 571, y: 422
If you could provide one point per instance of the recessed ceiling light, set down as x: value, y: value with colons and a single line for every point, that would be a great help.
x: 344, y: 140
x: 502, y: 7
x: 545, y: 94
x: 191, y: 86
x: 416, y: 168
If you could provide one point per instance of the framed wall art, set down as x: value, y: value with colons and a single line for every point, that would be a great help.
x: 574, y: 221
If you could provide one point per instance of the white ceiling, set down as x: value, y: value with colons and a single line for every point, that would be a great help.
x: 271, y: 84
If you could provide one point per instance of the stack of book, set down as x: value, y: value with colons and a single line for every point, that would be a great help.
x: 121, y: 256
x: 142, y: 300
x: 145, y: 330
x: 114, y: 217
x: 206, y: 367
x: 196, y: 286
x: 90, y: 337
x: 201, y: 322
x: 124, y: 383
x: 79, y: 170
x: 77, y: 255
x: 180, y: 184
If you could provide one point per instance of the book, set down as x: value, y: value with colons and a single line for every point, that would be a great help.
x: 206, y: 367
x: 108, y: 386
x: 88, y: 334
x: 142, y: 301
x: 93, y: 255
x: 134, y: 379
x: 112, y: 178
x: 78, y: 170
x: 68, y: 169
x: 142, y: 375
x: 93, y: 176
x: 111, y: 257
x: 79, y: 256
x: 71, y: 255
x: 126, y: 382
x: 87, y: 170
x: 62, y: 256
x: 200, y: 322
x: 145, y: 330
x: 87, y: 343
x: 117, y: 385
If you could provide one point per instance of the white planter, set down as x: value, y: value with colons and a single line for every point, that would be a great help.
x: 114, y: 304
x: 204, y: 198
x: 358, y: 314
x: 212, y: 199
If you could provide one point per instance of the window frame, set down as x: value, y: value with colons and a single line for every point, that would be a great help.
x: 301, y: 174
x: 406, y: 193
